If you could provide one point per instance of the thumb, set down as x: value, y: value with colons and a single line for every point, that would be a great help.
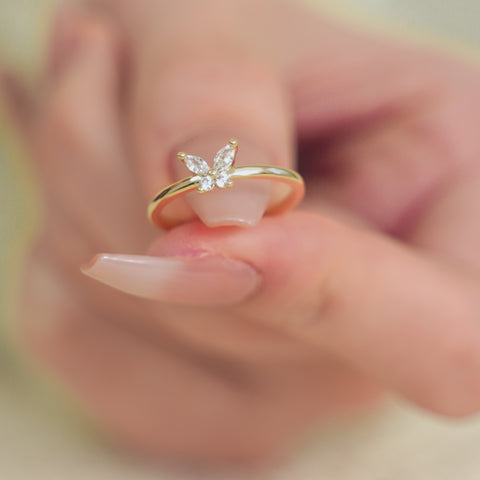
x: 194, y: 99
x: 396, y: 316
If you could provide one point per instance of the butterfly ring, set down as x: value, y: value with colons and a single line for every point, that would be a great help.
x: 289, y: 190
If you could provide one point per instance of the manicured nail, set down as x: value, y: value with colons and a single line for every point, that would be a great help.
x: 199, y: 281
x: 244, y: 203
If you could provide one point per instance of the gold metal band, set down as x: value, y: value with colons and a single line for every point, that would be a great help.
x: 280, y: 203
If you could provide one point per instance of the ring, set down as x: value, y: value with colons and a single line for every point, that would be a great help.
x: 288, y: 192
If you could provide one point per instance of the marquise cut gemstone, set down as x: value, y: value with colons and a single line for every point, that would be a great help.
x: 224, y: 158
x: 196, y: 164
x: 206, y: 184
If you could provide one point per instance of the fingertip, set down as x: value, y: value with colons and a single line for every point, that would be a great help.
x: 195, y: 106
x: 78, y: 31
x: 229, y: 203
x: 64, y: 36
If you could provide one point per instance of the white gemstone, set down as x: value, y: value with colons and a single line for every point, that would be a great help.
x: 224, y: 158
x: 206, y: 184
x: 196, y: 165
x: 223, y: 179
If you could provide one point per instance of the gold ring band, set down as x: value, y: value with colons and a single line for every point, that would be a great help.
x: 223, y: 175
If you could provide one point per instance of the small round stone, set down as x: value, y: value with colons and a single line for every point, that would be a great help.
x: 206, y: 184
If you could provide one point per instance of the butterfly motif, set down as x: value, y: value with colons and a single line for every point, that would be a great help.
x: 221, y: 173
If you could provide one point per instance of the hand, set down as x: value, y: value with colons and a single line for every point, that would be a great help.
x: 249, y: 336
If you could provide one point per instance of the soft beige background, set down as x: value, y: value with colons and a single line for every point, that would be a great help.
x: 37, y: 441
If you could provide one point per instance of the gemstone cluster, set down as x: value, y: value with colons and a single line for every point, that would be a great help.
x: 220, y: 175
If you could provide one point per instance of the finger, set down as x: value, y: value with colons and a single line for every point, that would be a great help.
x: 18, y: 99
x: 390, y: 171
x: 395, y: 128
x: 18, y: 102
x: 65, y: 33
x: 448, y: 228
x: 404, y: 320
x: 192, y: 97
x: 78, y: 147
x: 138, y: 386
x: 135, y: 368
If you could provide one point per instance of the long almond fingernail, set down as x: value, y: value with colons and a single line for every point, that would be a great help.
x: 200, y: 281
x: 244, y: 203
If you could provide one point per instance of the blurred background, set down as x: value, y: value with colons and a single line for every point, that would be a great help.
x: 44, y: 439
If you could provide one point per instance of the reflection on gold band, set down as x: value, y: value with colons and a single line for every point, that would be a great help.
x: 260, y: 172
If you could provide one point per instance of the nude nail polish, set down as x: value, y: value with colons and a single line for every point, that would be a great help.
x: 244, y: 203
x: 199, y: 281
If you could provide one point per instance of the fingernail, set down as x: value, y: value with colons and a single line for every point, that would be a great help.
x: 244, y: 203
x: 195, y: 281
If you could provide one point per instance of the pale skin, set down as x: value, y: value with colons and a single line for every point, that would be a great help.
x: 371, y: 286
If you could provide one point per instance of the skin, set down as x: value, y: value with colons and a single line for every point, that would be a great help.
x: 380, y: 264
